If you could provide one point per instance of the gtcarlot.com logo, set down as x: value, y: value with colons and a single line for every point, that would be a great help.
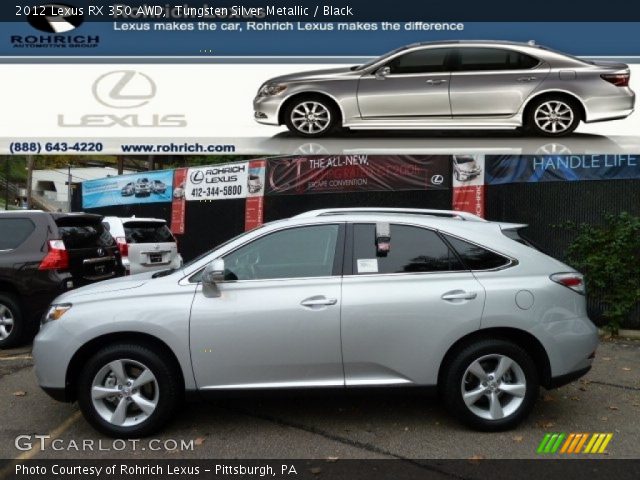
x: 574, y: 443
x: 56, y: 21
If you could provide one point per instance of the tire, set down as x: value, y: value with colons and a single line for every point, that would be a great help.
x: 12, y: 324
x: 552, y: 116
x: 483, y: 413
x: 147, y: 407
x: 325, y: 117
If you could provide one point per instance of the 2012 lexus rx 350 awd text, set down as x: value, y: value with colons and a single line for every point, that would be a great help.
x: 345, y: 298
x: 451, y: 85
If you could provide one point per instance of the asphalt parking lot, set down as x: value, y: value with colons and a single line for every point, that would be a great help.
x: 322, y: 427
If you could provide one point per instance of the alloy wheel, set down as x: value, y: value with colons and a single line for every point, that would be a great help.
x: 311, y: 117
x: 493, y: 386
x: 553, y: 116
x: 6, y: 322
x: 125, y: 393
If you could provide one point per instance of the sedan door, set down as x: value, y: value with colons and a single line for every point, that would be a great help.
x: 493, y: 82
x: 412, y: 85
x: 402, y: 310
x: 276, y: 321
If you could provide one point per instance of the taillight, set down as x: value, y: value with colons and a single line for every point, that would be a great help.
x: 618, y: 79
x: 57, y: 257
x: 574, y: 281
x: 123, y: 246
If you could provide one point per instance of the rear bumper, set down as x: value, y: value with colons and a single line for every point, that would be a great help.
x: 611, y: 107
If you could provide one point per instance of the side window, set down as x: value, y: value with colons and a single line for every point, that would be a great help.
x: 476, y: 257
x: 479, y: 59
x: 293, y: 253
x: 413, y: 249
x: 14, y: 231
x: 428, y: 60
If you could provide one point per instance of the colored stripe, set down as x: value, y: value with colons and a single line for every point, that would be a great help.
x: 575, y: 442
x: 594, y: 437
x: 550, y: 443
x: 554, y: 449
x: 543, y: 443
x: 606, y: 442
x: 596, y: 445
x: 584, y: 439
x: 567, y: 443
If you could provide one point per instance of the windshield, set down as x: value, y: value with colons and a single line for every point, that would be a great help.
x: 381, y: 58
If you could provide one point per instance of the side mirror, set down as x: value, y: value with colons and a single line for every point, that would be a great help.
x: 382, y: 73
x: 214, y: 272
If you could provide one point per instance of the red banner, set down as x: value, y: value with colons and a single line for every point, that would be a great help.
x: 468, y: 183
x: 352, y: 173
x: 178, y: 203
x: 469, y: 199
x: 254, y: 205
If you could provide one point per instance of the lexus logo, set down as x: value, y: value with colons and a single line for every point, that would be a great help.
x: 55, y: 18
x: 437, y: 180
x: 196, y: 177
x: 124, y: 89
x: 101, y: 252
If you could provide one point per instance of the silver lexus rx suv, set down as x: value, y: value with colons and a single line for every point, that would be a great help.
x: 451, y: 85
x: 344, y: 298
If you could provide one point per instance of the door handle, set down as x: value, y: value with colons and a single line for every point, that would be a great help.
x: 526, y: 79
x: 459, y: 295
x: 318, y: 302
x: 436, y: 82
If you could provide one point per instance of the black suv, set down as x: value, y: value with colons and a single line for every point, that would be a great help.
x: 42, y: 255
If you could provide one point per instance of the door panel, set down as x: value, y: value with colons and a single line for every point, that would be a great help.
x: 257, y: 334
x: 402, y: 96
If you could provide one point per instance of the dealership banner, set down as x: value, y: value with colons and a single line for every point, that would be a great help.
x: 357, y: 173
x: 254, y: 206
x: 178, y: 204
x: 469, y: 184
x: 145, y: 187
x: 218, y: 182
x: 560, y: 168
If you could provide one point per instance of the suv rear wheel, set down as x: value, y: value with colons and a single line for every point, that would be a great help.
x: 491, y: 385
x: 11, y: 321
x: 128, y: 390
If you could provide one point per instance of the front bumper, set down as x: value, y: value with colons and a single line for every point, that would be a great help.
x: 266, y: 109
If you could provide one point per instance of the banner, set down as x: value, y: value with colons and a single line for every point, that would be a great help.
x: 469, y: 184
x: 145, y: 187
x: 356, y: 173
x: 218, y: 182
x: 254, y: 207
x: 560, y: 168
x: 178, y: 204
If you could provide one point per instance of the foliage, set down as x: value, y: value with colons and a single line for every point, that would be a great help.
x: 609, y: 256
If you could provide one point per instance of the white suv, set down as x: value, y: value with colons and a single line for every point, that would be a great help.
x: 145, y: 244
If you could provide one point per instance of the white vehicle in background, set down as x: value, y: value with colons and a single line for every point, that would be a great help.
x: 145, y: 244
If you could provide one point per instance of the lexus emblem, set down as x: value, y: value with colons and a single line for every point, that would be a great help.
x: 437, y: 180
x: 101, y: 252
x: 197, y: 176
x: 124, y: 89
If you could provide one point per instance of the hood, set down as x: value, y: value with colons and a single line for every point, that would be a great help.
x: 108, y: 286
x: 312, y: 75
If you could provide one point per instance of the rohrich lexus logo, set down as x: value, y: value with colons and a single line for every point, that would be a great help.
x: 56, y: 18
x: 124, y: 89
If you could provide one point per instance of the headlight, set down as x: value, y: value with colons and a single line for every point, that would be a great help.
x: 56, y: 312
x: 270, y: 89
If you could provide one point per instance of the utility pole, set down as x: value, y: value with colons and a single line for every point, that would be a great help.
x: 6, y: 182
x: 29, y: 179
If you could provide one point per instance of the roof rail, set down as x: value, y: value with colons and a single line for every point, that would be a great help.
x: 405, y: 211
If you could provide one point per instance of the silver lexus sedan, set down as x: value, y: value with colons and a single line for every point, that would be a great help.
x: 451, y: 85
x: 344, y: 298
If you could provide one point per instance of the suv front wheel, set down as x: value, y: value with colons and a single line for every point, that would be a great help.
x: 128, y: 390
x: 491, y: 385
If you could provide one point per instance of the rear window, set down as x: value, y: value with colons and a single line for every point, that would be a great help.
x: 476, y: 257
x: 515, y: 235
x: 14, y: 231
x: 147, y: 232
x: 83, y: 233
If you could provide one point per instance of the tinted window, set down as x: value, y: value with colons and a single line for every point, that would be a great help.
x: 147, y: 232
x: 475, y: 257
x: 476, y: 59
x: 14, y: 231
x: 293, y: 253
x: 85, y: 236
x: 421, y: 61
x: 413, y: 249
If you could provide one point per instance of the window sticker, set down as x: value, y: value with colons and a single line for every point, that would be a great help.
x: 367, y: 265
